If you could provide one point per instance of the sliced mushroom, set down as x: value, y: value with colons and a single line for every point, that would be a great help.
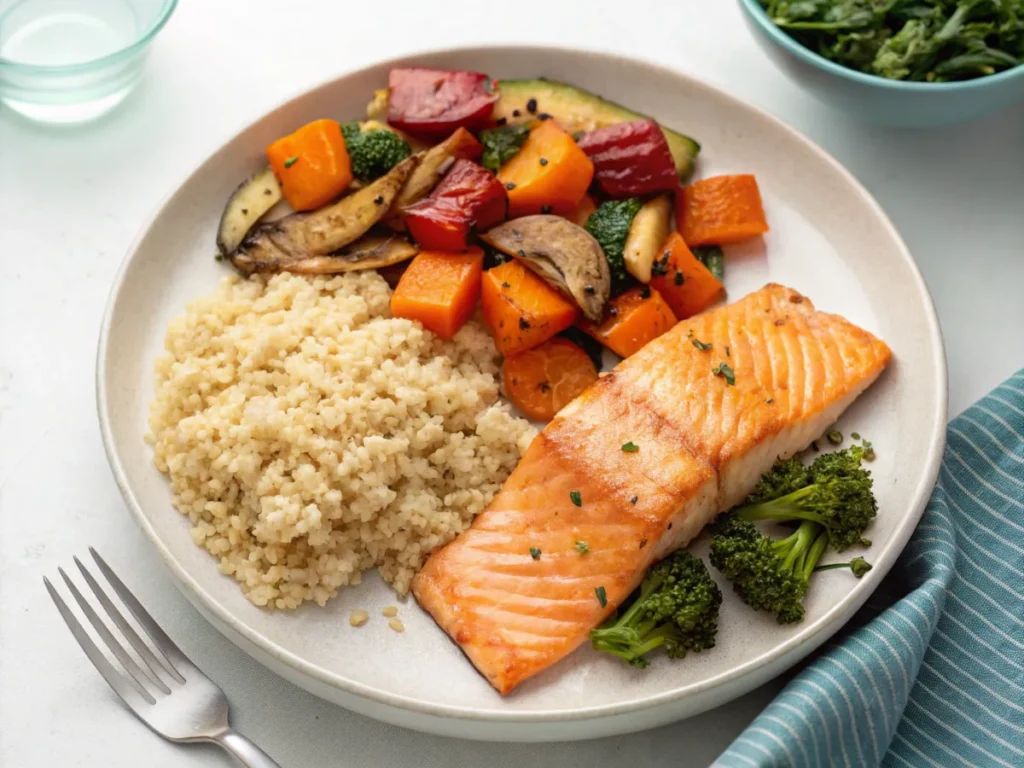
x: 246, y: 206
x: 434, y: 165
x: 370, y: 252
x: 563, y: 254
x: 647, y: 232
x: 278, y: 245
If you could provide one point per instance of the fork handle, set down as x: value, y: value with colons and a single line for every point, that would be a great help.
x: 247, y: 753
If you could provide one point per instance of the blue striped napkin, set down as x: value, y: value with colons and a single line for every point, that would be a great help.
x: 934, y: 673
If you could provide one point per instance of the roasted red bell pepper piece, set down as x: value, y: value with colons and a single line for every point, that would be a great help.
x: 468, y: 196
x: 631, y: 158
x: 434, y: 102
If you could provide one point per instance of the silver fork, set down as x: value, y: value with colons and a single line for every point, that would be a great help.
x: 172, y: 695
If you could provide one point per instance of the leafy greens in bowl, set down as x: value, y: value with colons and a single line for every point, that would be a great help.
x: 899, y: 62
x: 921, y: 40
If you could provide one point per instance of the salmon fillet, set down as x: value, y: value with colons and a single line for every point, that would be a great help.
x: 703, y: 444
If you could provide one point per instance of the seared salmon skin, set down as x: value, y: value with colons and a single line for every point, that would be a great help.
x: 709, y: 405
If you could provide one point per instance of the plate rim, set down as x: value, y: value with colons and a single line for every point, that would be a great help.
x: 796, y: 647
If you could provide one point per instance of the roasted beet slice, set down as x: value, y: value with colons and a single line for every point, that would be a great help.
x: 434, y: 102
x: 469, y: 196
x: 631, y: 158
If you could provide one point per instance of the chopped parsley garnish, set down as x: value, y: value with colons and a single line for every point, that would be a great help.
x: 543, y: 161
x: 869, y: 450
x: 575, y: 498
x: 535, y: 553
x: 727, y: 373
x: 634, y: 500
x: 630, y: 447
x: 660, y: 266
x: 711, y: 256
x: 602, y: 596
x: 501, y: 144
x: 291, y: 161
x: 582, y: 547
x: 835, y: 436
x: 698, y: 343
x: 855, y: 435
x: 679, y: 278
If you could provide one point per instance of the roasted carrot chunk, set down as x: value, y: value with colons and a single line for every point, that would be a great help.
x: 543, y: 380
x: 682, y: 280
x: 440, y: 290
x: 631, y: 320
x: 720, y: 210
x: 312, y: 164
x: 550, y: 174
x: 521, y: 310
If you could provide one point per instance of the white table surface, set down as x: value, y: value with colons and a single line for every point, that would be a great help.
x: 73, y: 199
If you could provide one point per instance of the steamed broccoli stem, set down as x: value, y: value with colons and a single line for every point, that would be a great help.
x: 835, y: 491
x: 859, y: 566
x: 813, y: 555
x: 801, y: 551
x: 767, y: 574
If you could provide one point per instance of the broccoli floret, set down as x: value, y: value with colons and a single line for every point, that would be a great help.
x: 676, y: 607
x: 373, y: 153
x: 502, y: 144
x: 609, y: 225
x: 767, y: 574
x: 785, y: 477
x: 834, y: 491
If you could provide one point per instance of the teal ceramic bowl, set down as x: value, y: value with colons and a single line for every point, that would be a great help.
x: 878, y: 100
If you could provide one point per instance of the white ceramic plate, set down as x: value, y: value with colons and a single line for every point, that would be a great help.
x: 829, y: 239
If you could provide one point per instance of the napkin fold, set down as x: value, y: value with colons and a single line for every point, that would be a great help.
x: 933, y: 672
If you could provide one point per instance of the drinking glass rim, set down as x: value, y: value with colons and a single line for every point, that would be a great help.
x: 158, y: 22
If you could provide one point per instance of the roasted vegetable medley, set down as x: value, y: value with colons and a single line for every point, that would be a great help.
x: 561, y: 215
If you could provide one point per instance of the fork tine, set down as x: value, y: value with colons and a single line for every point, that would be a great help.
x: 175, y: 658
x: 148, y: 657
x: 115, y: 647
x: 132, y: 694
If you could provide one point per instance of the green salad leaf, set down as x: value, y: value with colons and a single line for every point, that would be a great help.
x: 920, y: 40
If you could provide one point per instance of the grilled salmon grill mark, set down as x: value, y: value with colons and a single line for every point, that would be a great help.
x: 704, y: 444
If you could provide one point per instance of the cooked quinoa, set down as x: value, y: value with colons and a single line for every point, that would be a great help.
x: 310, y: 436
